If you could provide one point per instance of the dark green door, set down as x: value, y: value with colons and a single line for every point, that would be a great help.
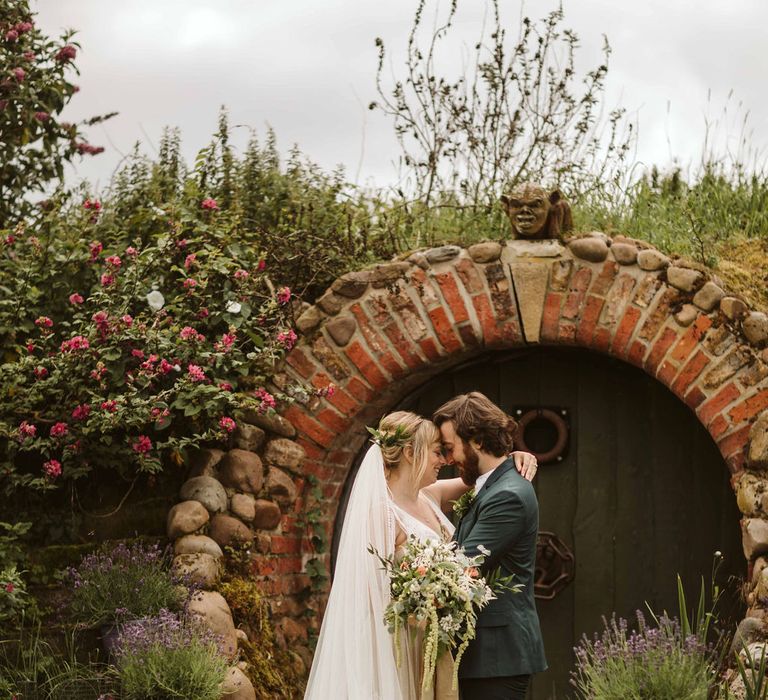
x: 641, y: 494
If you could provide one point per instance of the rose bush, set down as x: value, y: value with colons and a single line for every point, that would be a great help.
x: 35, y: 86
x: 122, y: 348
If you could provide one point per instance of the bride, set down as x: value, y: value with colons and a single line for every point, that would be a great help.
x: 396, y: 494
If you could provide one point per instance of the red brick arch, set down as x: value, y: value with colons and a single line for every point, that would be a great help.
x: 378, y: 333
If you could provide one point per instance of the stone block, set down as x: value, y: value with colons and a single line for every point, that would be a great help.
x: 624, y: 253
x: 271, y: 422
x: 652, y: 260
x: 341, y: 329
x: 243, y: 506
x: 185, y: 518
x: 353, y: 284
x: 758, y: 443
x: 442, y: 253
x: 589, y: 248
x: 280, y: 486
x: 754, y: 537
x: 207, y: 491
x: 733, y: 308
x: 237, y: 686
x: 755, y: 327
x: 708, y: 297
x: 200, y: 569
x: 242, y: 470
x: 284, y: 453
x: 687, y: 315
x: 485, y: 252
x: 197, y: 544
x: 387, y: 274
x: 266, y: 515
x: 530, y: 281
x: 309, y: 320
x: 532, y: 249
x: 248, y: 437
x: 685, y: 279
x: 212, y: 610
x: 752, y: 495
x: 331, y: 303
x: 229, y: 531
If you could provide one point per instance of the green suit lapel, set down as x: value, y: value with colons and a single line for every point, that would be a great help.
x: 469, y: 518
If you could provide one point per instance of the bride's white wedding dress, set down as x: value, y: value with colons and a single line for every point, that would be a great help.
x: 355, y: 655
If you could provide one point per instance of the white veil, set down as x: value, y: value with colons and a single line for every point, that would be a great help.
x: 355, y: 657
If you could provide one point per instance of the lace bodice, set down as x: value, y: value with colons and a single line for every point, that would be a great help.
x: 413, y: 526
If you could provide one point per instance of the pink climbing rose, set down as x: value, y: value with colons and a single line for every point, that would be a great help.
x: 52, y: 468
x: 227, y: 423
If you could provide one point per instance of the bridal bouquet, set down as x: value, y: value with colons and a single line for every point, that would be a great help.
x: 436, y: 585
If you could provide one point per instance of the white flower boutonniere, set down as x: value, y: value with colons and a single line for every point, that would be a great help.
x: 461, y: 505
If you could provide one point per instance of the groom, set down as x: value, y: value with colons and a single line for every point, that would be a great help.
x: 503, y: 517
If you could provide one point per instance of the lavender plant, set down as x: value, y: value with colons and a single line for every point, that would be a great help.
x: 123, y: 583
x: 169, y: 656
x: 651, y: 662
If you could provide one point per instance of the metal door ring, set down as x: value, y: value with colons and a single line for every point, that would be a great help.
x: 555, y: 420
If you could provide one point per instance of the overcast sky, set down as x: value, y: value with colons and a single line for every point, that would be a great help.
x: 307, y: 68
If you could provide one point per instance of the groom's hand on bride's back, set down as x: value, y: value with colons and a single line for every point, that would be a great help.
x: 526, y: 464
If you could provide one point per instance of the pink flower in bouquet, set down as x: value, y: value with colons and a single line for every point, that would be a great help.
x: 142, y: 445
x: 30, y: 347
x: 189, y: 333
x: 261, y: 266
x: 181, y: 244
x: 165, y: 367
x: 227, y: 424
x: 11, y: 35
x: 42, y: 116
x: 40, y: 372
x: 131, y: 252
x: 287, y: 339
x: 24, y: 27
x: 226, y: 343
x: 225, y: 386
x: 26, y: 430
x: 59, y: 430
x: 284, y: 295
x: 210, y: 204
x: 190, y: 283
x: 19, y: 74
x: 52, y: 468
x: 113, y: 261
x: 81, y: 412
x: 75, y: 299
x: 241, y: 274
x: 189, y: 260
x: 66, y: 53
x: 110, y: 406
x: 203, y: 313
x: 10, y: 588
x: 195, y: 373
x: 94, y: 204
x: 107, y: 280
x: 127, y: 320
x: 10, y: 239
x: 138, y: 353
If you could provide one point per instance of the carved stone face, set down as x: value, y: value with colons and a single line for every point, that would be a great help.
x: 527, y: 207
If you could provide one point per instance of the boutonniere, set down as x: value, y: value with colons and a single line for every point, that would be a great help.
x: 461, y: 505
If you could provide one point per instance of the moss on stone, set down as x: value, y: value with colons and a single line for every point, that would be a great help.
x: 743, y: 267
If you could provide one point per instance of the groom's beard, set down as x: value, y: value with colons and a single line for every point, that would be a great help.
x: 469, y: 469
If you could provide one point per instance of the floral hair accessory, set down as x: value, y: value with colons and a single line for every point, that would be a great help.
x: 389, y: 439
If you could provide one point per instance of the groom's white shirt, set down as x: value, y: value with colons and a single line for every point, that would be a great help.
x: 482, y: 479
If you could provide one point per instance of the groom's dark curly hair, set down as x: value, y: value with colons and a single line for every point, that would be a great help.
x: 476, y: 417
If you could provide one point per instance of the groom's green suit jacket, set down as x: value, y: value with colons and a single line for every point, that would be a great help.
x: 504, y: 518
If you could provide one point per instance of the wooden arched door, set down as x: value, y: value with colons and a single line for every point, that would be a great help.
x: 641, y: 492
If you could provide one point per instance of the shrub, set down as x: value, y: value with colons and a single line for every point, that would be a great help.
x: 649, y: 663
x: 168, y: 657
x: 123, y: 583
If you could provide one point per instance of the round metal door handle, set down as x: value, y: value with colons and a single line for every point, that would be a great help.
x: 555, y: 566
x: 555, y: 419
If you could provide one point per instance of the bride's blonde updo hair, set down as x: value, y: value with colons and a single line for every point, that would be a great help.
x: 415, y: 431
